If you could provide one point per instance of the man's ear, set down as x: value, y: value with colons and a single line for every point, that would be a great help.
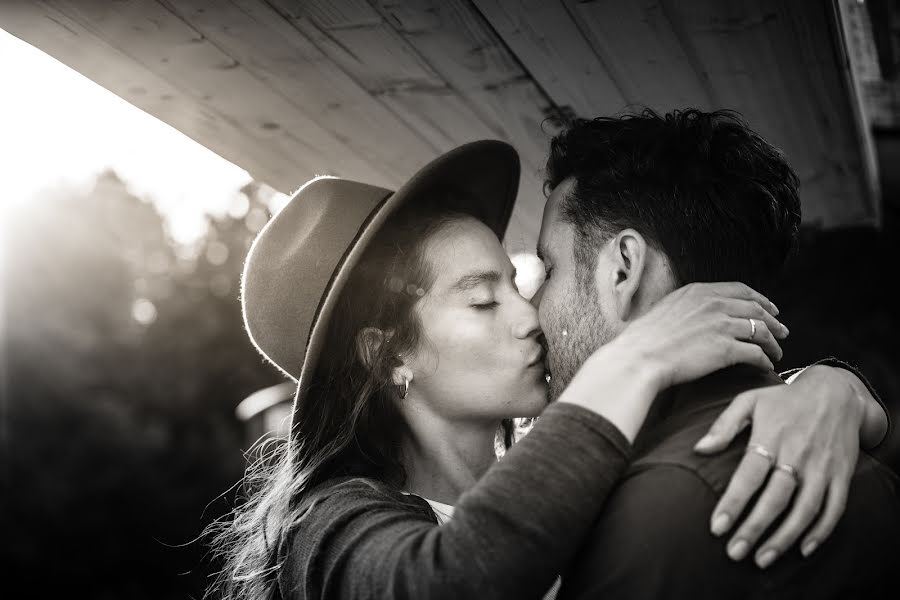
x: 368, y: 346
x: 629, y: 254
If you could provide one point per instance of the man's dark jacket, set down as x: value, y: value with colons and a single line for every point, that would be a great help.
x: 653, y: 538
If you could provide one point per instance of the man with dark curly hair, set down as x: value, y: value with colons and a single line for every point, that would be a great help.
x: 639, y: 206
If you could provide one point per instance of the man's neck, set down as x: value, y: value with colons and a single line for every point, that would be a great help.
x: 444, y: 459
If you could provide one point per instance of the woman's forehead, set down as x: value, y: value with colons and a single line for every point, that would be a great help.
x: 465, y: 253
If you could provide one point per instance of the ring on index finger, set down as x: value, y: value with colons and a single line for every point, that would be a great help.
x: 764, y: 452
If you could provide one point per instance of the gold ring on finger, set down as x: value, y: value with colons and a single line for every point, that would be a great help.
x: 790, y: 470
x: 752, y: 328
x: 762, y: 451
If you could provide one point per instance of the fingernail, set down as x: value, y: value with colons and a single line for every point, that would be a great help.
x: 738, y: 550
x: 721, y: 523
x: 775, y: 308
x: 766, y: 558
x: 705, y: 442
x: 809, y: 547
x: 786, y: 330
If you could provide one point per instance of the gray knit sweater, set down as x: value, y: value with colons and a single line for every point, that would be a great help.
x: 510, y: 535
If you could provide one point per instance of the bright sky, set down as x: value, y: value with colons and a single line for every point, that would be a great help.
x: 58, y: 126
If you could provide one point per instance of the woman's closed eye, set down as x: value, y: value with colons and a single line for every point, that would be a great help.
x: 485, y: 305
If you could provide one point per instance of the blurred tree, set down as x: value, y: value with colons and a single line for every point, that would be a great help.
x: 124, y: 363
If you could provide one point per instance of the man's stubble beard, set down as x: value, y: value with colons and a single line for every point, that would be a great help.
x: 586, y: 330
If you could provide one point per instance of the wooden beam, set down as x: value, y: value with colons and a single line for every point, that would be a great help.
x: 456, y: 43
x: 643, y: 54
x: 73, y: 43
x: 443, y: 71
x: 773, y: 62
x: 284, y: 60
x: 154, y: 37
x: 551, y: 46
x: 882, y: 99
x: 842, y: 16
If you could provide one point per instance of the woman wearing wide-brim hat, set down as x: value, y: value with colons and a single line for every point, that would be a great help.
x: 388, y: 486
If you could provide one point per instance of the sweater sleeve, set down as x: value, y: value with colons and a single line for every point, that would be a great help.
x: 510, y: 535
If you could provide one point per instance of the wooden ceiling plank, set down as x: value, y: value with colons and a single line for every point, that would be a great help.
x: 280, y: 56
x: 415, y: 94
x: 341, y: 14
x: 553, y: 50
x: 403, y: 77
x: 737, y: 49
x: 354, y: 35
x: 642, y: 53
x: 69, y: 41
x: 165, y: 44
x: 417, y: 91
x: 459, y: 45
x: 741, y: 47
x: 368, y: 45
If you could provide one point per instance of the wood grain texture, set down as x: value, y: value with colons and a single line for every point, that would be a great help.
x: 772, y: 62
x: 643, y: 53
x: 373, y: 89
x: 77, y: 45
x: 285, y: 61
x: 551, y: 47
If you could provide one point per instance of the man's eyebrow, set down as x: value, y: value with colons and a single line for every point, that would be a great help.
x: 471, y: 280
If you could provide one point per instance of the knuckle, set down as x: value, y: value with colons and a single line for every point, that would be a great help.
x: 732, y: 353
x: 712, y: 304
x: 802, y: 455
x: 809, y: 506
x: 758, y: 311
x: 723, y: 323
x: 752, y: 529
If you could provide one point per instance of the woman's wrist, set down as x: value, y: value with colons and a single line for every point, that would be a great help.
x: 873, y: 424
x: 842, y: 385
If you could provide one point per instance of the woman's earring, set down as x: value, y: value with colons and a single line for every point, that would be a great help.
x: 403, y: 388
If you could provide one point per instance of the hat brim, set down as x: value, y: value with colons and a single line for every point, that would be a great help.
x: 487, y: 175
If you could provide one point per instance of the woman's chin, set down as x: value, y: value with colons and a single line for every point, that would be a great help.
x: 534, y: 402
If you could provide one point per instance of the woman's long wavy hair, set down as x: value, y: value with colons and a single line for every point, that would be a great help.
x: 349, y: 423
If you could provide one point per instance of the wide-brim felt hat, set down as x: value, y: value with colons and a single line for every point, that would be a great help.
x: 301, y: 260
